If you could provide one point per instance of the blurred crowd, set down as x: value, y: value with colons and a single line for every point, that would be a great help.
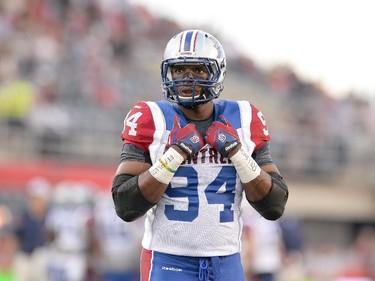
x: 71, y: 69
x: 63, y: 61
x: 69, y: 72
x: 67, y: 232
x: 70, y: 232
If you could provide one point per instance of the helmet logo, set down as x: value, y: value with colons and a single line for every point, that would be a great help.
x: 187, y: 53
x: 188, y: 41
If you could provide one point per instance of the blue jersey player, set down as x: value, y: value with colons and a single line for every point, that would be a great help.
x: 188, y: 161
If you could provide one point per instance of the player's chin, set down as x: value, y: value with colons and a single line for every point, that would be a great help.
x: 187, y: 92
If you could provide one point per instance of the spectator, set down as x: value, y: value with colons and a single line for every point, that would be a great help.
x: 69, y: 223
x: 31, y: 232
x: 49, y: 120
x: 16, y: 94
x: 118, y: 243
x: 8, y: 245
x: 360, y: 261
x: 263, y: 248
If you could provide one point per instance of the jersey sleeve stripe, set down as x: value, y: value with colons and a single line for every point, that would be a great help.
x: 159, y: 139
x: 246, y: 119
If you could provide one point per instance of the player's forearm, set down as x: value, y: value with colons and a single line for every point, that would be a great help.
x: 258, y: 188
x: 265, y: 191
x: 155, y: 180
x: 151, y: 189
x: 270, y: 205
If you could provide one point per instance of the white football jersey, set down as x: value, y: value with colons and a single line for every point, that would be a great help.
x: 71, y: 226
x: 200, y: 212
x: 119, y: 241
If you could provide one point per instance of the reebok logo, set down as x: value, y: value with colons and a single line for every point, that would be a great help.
x: 231, y: 146
x: 186, y: 148
x: 170, y: 268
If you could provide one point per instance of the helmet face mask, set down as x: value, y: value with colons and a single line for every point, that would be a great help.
x: 193, y: 47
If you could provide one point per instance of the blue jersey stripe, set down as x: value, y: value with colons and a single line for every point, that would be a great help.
x: 169, y: 112
x: 230, y: 110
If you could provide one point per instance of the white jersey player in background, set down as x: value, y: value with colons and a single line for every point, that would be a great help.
x: 69, y: 224
x: 187, y: 162
x: 119, y: 244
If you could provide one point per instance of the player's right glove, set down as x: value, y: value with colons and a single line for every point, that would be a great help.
x: 222, y: 136
x: 187, y: 138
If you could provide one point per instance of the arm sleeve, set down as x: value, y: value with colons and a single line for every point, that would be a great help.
x: 263, y: 155
x: 129, y: 202
x: 273, y: 205
x: 131, y: 152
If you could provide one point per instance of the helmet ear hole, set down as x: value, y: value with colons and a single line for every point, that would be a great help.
x: 194, y: 47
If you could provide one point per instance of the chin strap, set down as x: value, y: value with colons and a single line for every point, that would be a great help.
x: 195, y: 104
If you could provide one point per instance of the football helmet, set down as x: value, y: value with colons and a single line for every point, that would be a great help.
x: 194, y: 47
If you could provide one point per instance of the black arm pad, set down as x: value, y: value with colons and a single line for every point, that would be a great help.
x: 128, y: 200
x: 272, y: 206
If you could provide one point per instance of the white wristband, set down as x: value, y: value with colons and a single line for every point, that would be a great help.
x: 247, y: 168
x: 164, y: 169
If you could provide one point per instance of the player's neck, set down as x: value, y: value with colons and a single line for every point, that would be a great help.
x: 201, y: 112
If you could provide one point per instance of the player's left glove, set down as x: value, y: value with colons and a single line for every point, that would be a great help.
x: 222, y: 136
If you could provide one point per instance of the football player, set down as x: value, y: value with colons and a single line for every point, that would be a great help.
x: 188, y: 160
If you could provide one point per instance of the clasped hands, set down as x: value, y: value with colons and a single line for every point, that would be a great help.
x: 221, y: 135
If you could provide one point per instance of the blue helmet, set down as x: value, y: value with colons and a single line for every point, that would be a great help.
x: 194, y: 47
